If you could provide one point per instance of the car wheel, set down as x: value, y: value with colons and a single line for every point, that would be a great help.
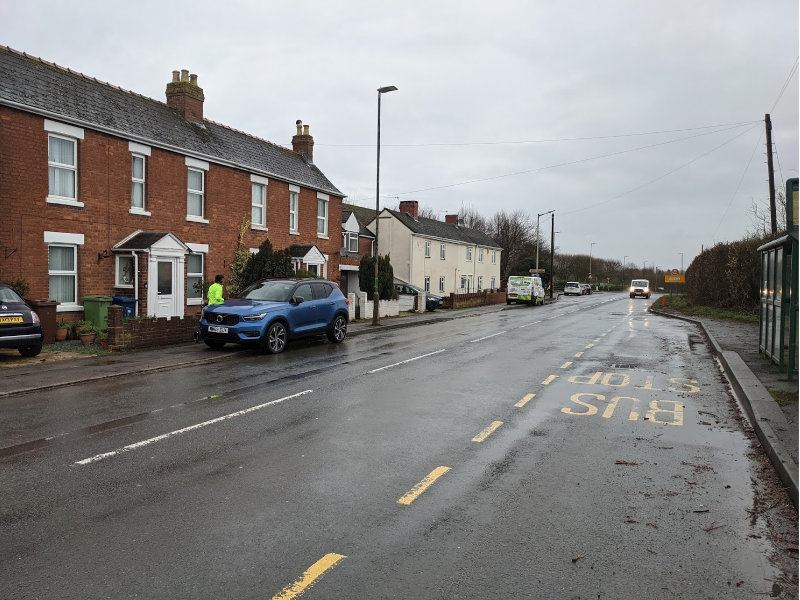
x: 632, y: 295
x: 275, y: 340
x: 214, y: 344
x: 30, y: 351
x: 338, y: 329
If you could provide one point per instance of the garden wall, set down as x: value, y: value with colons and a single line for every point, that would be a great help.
x: 147, y: 332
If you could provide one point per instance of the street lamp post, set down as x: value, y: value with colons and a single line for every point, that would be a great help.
x: 376, y: 294
x: 624, y: 258
x: 537, y: 234
x: 592, y: 245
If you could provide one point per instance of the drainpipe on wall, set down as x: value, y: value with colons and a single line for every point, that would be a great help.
x: 135, y: 282
x: 411, y: 261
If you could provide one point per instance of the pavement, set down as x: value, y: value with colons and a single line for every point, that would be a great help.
x: 768, y: 398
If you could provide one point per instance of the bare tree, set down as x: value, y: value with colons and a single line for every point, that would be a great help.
x: 473, y: 219
x: 512, y: 232
x: 760, y: 215
x: 426, y: 212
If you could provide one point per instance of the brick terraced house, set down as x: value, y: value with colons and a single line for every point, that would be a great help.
x: 105, y: 191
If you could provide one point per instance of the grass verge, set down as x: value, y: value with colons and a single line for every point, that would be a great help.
x: 679, y: 303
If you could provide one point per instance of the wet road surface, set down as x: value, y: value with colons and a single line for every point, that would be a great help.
x: 585, y: 449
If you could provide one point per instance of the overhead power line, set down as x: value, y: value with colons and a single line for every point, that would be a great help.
x: 726, y: 126
x: 792, y: 73
x: 667, y: 174
x: 571, y: 162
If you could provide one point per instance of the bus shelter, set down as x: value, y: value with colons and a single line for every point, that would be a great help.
x: 777, y: 338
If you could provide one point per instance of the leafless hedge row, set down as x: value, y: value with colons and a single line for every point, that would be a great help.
x: 727, y: 276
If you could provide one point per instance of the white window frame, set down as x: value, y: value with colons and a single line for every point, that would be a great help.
x: 480, y: 255
x: 143, y: 152
x: 294, y: 210
x: 138, y: 182
x: 202, y: 250
x: 351, y: 241
x: 201, y: 167
x: 427, y: 283
x: 494, y: 258
x: 469, y: 253
x: 428, y: 249
x: 72, y: 134
x: 197, y: 193
x: 323, y: 210
x: 72, y: 240
x: 258, y: 183
x: 441, y: 284
x: 480, y: 284
x: 72, y: 168
x: 442, y: 251
x: 494, y: 287
x: 119, y: 282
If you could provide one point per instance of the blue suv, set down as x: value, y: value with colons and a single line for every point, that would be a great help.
x: 273, y: 311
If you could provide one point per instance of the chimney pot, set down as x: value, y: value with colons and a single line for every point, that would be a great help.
x: 302, y: 142
x: 451, y: 219
x: 185, y: 96
x: 411, y: 208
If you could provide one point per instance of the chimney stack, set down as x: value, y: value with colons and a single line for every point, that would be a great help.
x: 411, y: 208
x: 303, y: 142
x: 451, y: 219
x: 185, y: 96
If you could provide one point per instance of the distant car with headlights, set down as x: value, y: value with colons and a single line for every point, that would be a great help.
x: 640, y: 287
x: 274, y: 311
x: 432, y: 301
x: 573, y: 288
x: 20, y: 327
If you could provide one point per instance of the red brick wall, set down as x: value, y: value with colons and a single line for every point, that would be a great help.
x: 104, y: 186
x: 144, y: 332
x: 473, y: 299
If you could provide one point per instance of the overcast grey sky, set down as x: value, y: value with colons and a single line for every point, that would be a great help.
x: 639, y: 121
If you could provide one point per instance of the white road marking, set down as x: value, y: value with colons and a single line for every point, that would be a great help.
x: 165, y: 436
x: 402, y: 362
x: 487, y: 337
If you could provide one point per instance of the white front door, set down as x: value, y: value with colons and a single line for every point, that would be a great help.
x: 165, y: 280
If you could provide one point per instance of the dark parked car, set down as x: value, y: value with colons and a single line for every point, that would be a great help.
x: 273, y: 311
x: 432, y: 301
x: 19, y: 324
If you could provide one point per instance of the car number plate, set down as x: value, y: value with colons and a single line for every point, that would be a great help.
x: 216, y: 329
x: 11, y: 320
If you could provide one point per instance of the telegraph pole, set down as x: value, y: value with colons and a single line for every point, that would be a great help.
x: 772, y: 214
x: 552, y: 251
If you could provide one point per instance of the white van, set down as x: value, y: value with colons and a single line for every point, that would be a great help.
x: 640, y: 287
x: 527, y: 290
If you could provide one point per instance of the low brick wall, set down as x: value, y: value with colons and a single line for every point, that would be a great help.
x: 146, y: 332
x: 474, y: 299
